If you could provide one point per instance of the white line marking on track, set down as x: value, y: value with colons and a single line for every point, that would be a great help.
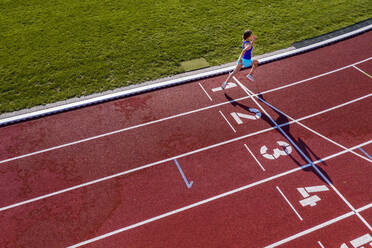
x: 303, y: 154
x: 184, y: 208
x: 117, y: 131
x: 318, y: 76
x: 315, y: 228
x: 289, y: 203
x: 211, y: 199
x: 258, y: 162
x: 365, y: 73
x: 365, y: 207
x: 364, y: 221
x: 143, y: 167
x: 170, y: 117
x: 321, y: 245
x: 210, y: 98
x: 335, y: 107
x: 227, y: 121
x: 315, y: 132
x: 332, y: 141
x: 160, y: 162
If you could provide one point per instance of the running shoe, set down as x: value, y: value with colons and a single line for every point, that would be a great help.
x: 223, y: 86
x: 249, y: 76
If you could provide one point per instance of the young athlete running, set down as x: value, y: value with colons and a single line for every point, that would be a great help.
x: 245, y: 59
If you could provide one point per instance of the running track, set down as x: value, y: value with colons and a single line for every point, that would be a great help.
x: 193, y: 166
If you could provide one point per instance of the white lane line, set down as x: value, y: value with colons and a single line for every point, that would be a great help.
x: 153, y: 122
x: 364, y: 221
x: 335, y: 107
x: 227, y: 121
x: 365, y: 73
x: 258, y: 162
x: 305, y: 156
x: 315, y: 132
x: 170, y: 117
x: 318, y: 76
x: 210, y: 98
x: 320, y: 244
x: 289, y: 203
x: 157, y: 163
x: 184, y: 208
x: 138, y: 168
x: 320, y: 226
x: 365, y: 207
x: 310, y: 230
x: 118, y: 131
x: 211, y: 199
x: 143, y: 167
x: 193, y: 205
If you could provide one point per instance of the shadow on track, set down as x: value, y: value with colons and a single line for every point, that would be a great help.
x: 282, y: 119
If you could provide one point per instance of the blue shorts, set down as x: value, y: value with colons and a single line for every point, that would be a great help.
x: 246, y: 62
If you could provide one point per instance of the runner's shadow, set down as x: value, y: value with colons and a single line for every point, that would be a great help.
x: 283, y: 121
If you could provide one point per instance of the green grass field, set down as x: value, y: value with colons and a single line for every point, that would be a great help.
x: 54, y: 50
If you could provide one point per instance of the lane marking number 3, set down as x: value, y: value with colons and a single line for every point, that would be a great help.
x: 277, y: 152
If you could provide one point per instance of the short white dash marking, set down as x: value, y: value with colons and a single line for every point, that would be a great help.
x: 210, y: 98
x: 321, y: 245
x: 227, y: 121
x: 258, y: 162
x: 285, y: 198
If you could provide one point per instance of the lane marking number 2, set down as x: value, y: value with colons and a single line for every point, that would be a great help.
x: 285, y: 151
x: 254, y: 116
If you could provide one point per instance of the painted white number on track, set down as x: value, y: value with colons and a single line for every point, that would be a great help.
x: 237, y: 116
x: 311, y: 200
x: 359, y: 242
x: 228, y: 86
x: 287, y: 149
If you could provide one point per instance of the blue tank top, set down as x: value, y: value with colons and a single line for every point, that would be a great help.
x: 247, y: 54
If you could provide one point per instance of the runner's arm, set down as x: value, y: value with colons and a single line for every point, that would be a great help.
x: 254, y: 39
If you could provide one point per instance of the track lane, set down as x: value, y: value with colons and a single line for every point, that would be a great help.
x: 321, y: 93
x: 347, y: 126
x: 235, y: 221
